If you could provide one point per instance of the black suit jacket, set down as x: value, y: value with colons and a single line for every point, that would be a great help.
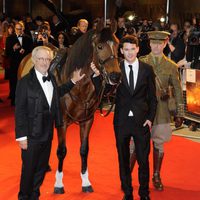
x: 16, y: 56
x: 142, y: 102
x: 33, y: 116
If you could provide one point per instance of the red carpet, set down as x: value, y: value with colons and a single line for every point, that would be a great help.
x: 180, y: 172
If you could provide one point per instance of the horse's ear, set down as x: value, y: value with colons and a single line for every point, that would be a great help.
x: 113, y: 26
x: 100, y: 25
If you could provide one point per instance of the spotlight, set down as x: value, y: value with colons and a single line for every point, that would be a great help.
x: 129, y: 15
x: 162, y: 19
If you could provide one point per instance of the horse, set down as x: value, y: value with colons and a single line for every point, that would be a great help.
x: 99, y: 46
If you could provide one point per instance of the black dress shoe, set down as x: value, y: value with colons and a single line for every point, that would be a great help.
x: 128, y: 197
x: 145, y: 198
x: 48, y: 168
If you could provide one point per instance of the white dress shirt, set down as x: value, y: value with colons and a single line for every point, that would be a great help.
x: 46, y: 86
x: 20, y: 39
x: 135, y: 67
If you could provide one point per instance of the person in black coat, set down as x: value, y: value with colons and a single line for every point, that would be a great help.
x: 175, y: 48
x: 18, y: 45
x: 37, y: 108
x: 134, y: 113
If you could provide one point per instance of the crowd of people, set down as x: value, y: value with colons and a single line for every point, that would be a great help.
x: 19, y: 37
x: 150, y: 55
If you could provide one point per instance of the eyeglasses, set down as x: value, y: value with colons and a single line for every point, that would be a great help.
x: 44, y: 59
x: 19, y: 29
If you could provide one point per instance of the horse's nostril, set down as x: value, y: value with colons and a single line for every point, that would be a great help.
x: 115, y: 77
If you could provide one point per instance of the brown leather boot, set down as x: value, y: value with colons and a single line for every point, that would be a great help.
x: 157, y: 162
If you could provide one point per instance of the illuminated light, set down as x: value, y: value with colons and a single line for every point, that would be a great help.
x: 131, y: 17
x: 162, y: 19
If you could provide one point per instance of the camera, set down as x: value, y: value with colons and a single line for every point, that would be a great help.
x: 44, y: 35
x: 194, y: 38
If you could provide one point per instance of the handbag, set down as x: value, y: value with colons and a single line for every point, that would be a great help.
x: 171, y: 101
x: 167, y: 94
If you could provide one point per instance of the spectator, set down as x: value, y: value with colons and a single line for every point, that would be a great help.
x: 18, y: 45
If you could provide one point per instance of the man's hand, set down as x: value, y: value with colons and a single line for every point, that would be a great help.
x: 149, y: 123
x: 22, y: 51
x: 76, y: 76
x: 178, y: 121
x: 16, y: 46
x: 23, y: 144
x: 171, y: 47
x: 94, y: 69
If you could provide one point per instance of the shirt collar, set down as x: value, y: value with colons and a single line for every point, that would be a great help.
x: 135, y: 63
x: 39, y: 74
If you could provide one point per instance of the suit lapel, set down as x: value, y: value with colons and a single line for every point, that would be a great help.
x: 139, y: 77
x: 124, y: 77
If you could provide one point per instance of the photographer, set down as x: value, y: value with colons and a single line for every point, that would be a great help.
x: 44, y: 38
x: 121, y: 28
x: 175, y: 48
x: 143, y: 27
x: 193, y: 48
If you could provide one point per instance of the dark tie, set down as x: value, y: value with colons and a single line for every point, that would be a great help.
x: 46, y: 78
x: 131, y: 81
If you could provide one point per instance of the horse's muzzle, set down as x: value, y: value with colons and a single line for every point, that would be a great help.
x: 115, y: 77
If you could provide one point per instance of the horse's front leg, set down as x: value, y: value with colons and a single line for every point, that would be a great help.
x: 61, y: 153
x: 84, y: 149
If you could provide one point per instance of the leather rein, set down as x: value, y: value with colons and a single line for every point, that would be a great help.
x: 87, y: 105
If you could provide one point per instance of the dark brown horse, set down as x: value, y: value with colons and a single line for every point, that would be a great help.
x: 98, y: 46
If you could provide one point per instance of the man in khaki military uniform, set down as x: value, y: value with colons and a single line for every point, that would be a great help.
x: 166, y: 74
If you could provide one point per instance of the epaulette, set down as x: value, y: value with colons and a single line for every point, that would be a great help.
x: 171, y: 61
x: 143, y: 58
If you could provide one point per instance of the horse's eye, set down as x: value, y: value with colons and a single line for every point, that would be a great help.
x: 100, y: 47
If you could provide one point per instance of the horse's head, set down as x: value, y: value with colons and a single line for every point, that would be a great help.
x: 105, y: 54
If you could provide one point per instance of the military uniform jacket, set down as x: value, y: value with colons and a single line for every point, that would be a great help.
x: 167, y: 71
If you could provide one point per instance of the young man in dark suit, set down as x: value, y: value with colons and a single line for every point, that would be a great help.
x: 37, y: 108
x: 134, y: 113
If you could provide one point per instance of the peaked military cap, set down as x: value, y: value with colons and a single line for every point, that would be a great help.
x: 158, y: 36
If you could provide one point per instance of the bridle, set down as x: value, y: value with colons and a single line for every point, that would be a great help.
x: 105, y: 80
x: 104, y: 74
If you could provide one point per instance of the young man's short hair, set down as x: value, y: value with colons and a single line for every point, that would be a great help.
x: 129, y: 39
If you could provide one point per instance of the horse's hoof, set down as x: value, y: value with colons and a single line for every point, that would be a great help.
x: 58, y: 190
x: 87, y: 189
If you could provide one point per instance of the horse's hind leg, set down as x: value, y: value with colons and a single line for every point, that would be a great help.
x: 84, y: 131
x: 61, y: 153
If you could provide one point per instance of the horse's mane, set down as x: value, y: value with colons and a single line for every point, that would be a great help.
x: 106, y: 35
x: 80, y: 54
